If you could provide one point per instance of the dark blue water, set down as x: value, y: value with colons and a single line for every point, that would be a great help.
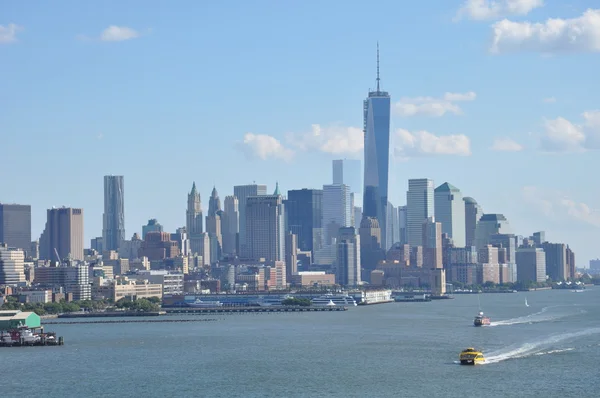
x: 550, y: 348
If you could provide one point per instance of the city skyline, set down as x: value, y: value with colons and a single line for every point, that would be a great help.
x: 439, y: 111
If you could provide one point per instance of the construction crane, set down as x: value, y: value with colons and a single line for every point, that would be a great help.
x: 57, y: 256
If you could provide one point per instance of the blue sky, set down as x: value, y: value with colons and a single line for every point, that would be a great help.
x: 493, y: 98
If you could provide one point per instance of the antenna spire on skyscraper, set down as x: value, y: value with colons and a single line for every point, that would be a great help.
x: 377, y: 66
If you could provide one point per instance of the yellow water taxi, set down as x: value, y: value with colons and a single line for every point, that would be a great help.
x: 471, y: 356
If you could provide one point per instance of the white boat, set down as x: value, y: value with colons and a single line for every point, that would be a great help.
x: 335, y: 299
x: 205, y: 304
x: 526, y: 304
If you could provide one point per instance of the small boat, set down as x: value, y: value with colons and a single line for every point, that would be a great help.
x: 481, y: 320
x: 470, y: 356
x: 526, y: 304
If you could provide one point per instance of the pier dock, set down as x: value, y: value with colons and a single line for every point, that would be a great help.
x: 232, y: 310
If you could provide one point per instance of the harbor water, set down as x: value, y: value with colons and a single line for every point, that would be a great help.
x: 549, y: 348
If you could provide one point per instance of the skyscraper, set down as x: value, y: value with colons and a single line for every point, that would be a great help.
x: 556, y: 261
x: 402, y: 225
x: 63, y: 234
x: 265, y: 228
x: 450, y: 211
x: 488, y: 225
x: 213, y: 225
x: 193, y: 214
x: 347, y: 171
x: 242, y: 192
x: 304, y: 211
x: 348, y: 257
x: 12, y: 267
x: 432, y: 244
x: 376, y: 127
x: 230, y: 225
x: 15, y: 226
x: 473, y: 213
x: 337, y: 210
x: 419, y: 207
x: 113, y: 219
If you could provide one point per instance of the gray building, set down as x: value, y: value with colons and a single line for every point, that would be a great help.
x: 420, y: 206
x: 242, y: 193
x: 230, y: 225
x: 556, y: 261
x: 152, y: 226
x: 450, y: 211
x: 473, y: 213
x: 63, y: 235
x: 15, y: 225
x: 348, y: 172
x: 265, y: 228
x: 531, y: 264
x: 488, y: 225
x: 348, y: 257
x: 113, y: 219
x: 337, y: 211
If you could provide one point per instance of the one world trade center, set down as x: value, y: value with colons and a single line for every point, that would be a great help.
x: 376, y: 158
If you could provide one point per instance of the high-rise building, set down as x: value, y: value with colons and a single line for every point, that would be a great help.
x: 488, y: 225
x: 265, y: 228
x: 402, y: 225
x: 571, y: 262
x: 242, y: 193
x: 376, y: 126
x: 193, y: 214
x: 63, y: 235
x: 473, y: 213
x: 113, y: 219
x: 337, y: 210
x: 539, y: 238
x: 181, y: 237
x: 531, y: 264
x: 348, y: 172
x: 12, y: 265
x: 348, y: 257
x: 392, y: 226
x: 15, y: 225
x: 152, y: 226
x: 304, y: 211
x: 508, y: 242
x: 230, y: 225
x: 556, y: 261
x: 291, y: 255
x: 450, y: 211
x: 357, y: 216
x: 432, y: 244
x: 488, y: 264
x: 213, y: 225
x: 371, y: 250
x: 419, y: 207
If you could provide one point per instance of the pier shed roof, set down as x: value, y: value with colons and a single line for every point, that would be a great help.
x: 16, y: 319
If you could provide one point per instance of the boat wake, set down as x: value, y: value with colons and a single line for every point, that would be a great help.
x: 541, y: 316
x: 542, y: 347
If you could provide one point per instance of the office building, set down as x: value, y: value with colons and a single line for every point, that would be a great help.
x: 265, y: 228
x: 357, y: 217
x: 242, y: 193
x: 509, y: 243
x: 539, y: 238
x: 376, y: 127
x: 12, y: 265
x: 419, y: 207
x: 488, y: 225
x: 158, y: 246
x: 304, y: 211
x: 152, y: 226
x: 181, y: 237
x: 531, y: 264
x: 213, y: 225
x: 348, y: 172
x: 450, y: 211
x: 402, y: 225
x: 489, y: 264
x: 193, y: 214
x: 473, y: 213
x: 337, y: 210
x: 113, y: 219
x: 230, y: 225
x: 63, y: 235
x: 291, y: 255
x: 556, y: 261
x: 73, y: 279
x: 15, y: 225
x: 432, y: 244
x: 348, y: 257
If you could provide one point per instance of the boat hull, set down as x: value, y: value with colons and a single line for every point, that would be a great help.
x: 471, y: 362
x: 481, y: 322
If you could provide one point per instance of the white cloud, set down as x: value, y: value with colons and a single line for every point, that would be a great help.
x: 581, y: 34
x: 8, y: 33
x: 423, y: 143
x: 431, y: 106
x: 334, y: 139
x: 506, y: 145
x: 549, y: 100
x: 494, y: 9
x: 118, y: 33
x: 562, y: 135
x: 558, y: 205
x: 264, y: 147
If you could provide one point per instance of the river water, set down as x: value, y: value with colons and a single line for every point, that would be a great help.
x: 550, y: 348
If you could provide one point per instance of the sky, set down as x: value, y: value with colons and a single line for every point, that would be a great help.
x: 499, y: 98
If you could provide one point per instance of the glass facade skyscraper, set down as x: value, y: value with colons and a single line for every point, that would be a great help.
x: 113, y: 231
x: 304, y: 211
x: 376, y: 129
